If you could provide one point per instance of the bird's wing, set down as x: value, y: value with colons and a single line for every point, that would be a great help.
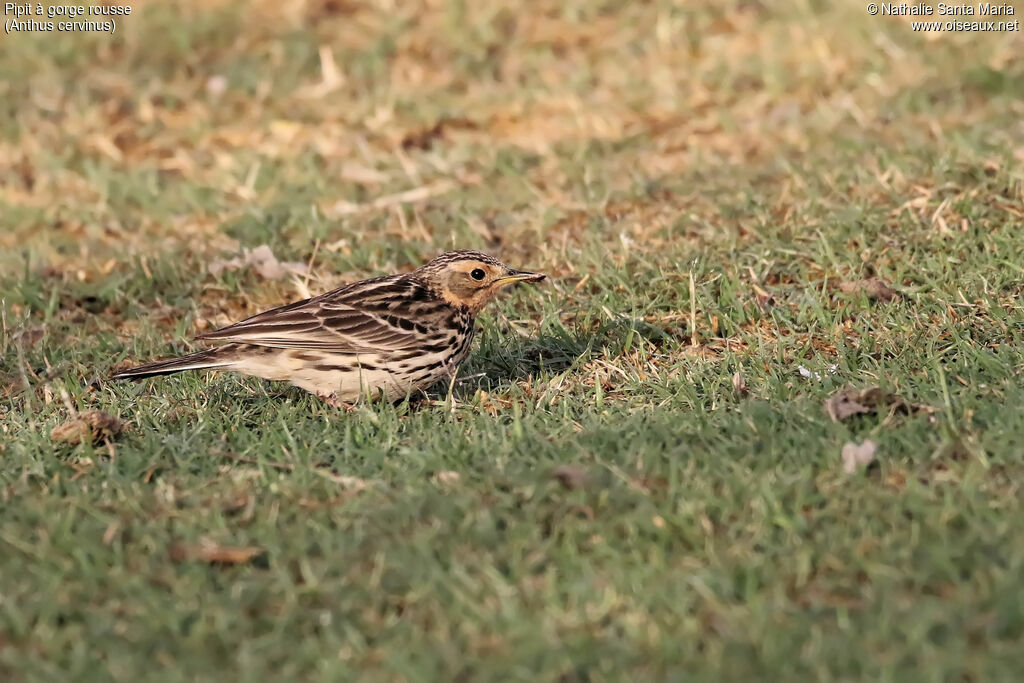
x: 371, y: 316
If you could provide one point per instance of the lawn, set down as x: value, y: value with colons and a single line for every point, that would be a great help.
x: 744, y: 209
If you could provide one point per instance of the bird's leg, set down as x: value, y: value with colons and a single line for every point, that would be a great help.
x: 333, y: 401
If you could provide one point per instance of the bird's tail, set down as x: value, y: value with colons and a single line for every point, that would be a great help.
x: 210, y: 358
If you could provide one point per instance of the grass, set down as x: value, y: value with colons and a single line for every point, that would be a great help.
x: 594, y: 501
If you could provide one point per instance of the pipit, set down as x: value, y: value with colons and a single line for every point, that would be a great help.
x: 384, y: 337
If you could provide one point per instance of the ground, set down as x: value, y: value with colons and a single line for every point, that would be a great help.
x: 636, y: 476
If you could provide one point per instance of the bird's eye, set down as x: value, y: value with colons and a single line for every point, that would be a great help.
x: 478, y: 274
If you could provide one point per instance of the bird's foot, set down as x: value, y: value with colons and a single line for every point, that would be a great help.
x: 333, y: 401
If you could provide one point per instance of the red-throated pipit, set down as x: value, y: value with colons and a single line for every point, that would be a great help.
x: 387, y: 336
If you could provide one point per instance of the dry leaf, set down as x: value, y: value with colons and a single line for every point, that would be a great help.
x: 858, y: 456
x: 91, y: 426
x: 739, y: 385
x: 763, y: 297
x: 848, y: 402
x: 262, y: 259
x: 571, y: 476
x: 873, y: 288
x: 425, y: 138
x: 447, y: 478
x: 809, y: 374
x: 213, y: 553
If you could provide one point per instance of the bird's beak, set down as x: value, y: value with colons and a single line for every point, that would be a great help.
x: 519, y: 276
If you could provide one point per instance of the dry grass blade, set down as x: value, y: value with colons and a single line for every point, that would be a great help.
x: 352, y: 483
x: 214, y: 553
x: 417, y: 194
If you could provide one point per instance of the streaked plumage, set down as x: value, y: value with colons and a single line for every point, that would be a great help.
x: 387, y: 336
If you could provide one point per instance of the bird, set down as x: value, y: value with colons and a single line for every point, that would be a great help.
x: 385, y: 337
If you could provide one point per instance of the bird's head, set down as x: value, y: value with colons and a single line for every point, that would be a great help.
x: 470, y: 279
